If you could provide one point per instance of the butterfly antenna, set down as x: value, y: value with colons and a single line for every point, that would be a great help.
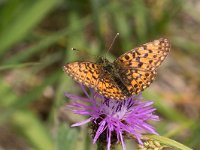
x: 112, y: 43
x: 77, y: 50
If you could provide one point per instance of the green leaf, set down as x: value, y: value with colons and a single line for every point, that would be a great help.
x: 33, y: 130
x: 168, y: 142
x: 19, y: 28
x: 67, y: 138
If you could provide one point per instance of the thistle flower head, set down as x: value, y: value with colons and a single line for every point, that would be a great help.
x: 111, y: 120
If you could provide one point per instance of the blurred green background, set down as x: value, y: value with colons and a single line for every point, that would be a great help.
x: 36, y: 37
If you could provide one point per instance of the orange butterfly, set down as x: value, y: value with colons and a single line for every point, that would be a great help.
x: 129, y: 74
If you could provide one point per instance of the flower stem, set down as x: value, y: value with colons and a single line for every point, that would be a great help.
x: 100, y: 146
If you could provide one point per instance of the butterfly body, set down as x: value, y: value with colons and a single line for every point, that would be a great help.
x: 129, y: 74
x: 112, y: 69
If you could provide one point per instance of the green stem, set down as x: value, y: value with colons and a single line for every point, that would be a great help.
x: 100, y: 146
x: 87, y: 142
x: 168, y: 142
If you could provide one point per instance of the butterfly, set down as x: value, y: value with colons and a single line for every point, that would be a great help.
x: 129, y: 74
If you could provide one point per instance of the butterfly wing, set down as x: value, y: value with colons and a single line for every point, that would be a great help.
x: 136, y: 80
x: 137, y: 68
x: 92, y: 75
x: 108, y: 87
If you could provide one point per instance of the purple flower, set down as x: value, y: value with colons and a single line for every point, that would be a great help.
x: 111, y: 120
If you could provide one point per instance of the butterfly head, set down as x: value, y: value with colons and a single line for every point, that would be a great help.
x: 108, y: 66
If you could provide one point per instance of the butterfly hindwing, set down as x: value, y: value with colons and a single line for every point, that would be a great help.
x: 108, y: 87
x: 137, y: 80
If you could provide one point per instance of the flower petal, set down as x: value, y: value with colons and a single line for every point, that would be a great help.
x: 122, y: 141
x: 112, y: 116
x: 82, y: 122
x: 108, y: 139
x: 102, y: 127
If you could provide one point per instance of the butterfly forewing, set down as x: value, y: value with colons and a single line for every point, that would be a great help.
x: 137, y: 68
x: 86, y: 73
x: 147, y: 57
